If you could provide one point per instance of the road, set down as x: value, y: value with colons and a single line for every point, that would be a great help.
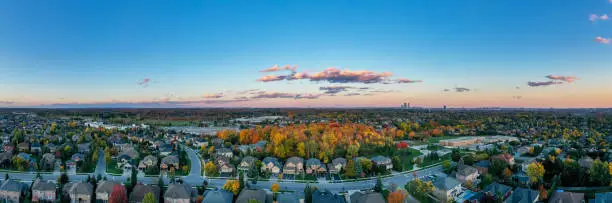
x: 194, y: 178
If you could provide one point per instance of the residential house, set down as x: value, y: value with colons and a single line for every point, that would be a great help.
x: 5, y: 159
x: 327, y: 197
x: 165, y: 149
x: 602, y: 198
x: 43, y: 191
x: 293, y: 166
x: 247, y: 163
x: 508, y: 158
x: 566, y: 197
x: 226, y: 152
x: 199, y: 142
x: 314, y: 166
x: 23, y: 147
x: 260, y: 195
x: 586, y: 162
x: 141, y: 190
x: 467, y: 174
x: 367, y: 197
x: 6, y: 138
x: 523, y: 195
x: 337, y: 165
x: 217, y: 142
x: 105, y: 188
x: 35, y: 147
x: 79, y: 192
x: 8, y: 148
x: 446, y: 188
x: 381, y: 161
x: 77, y: 157
x: 51, y: 148
x: 179, y: 193
x: 47, y: 161
x: 482, y: 166
x: 147, y: 162
x: 218, y: 196
x: 496, y: 190
x: 287, y: 197
x: 84, y: 148
x: 226, y: 169
x: 12, y: 191
x: 168, y: 162
x: 271, y: 164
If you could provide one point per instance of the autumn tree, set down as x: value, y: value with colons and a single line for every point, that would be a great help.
x: 599, y: 173
x: 507, y: 174
x: 535, y: 171
x: 118, y: 195
x: 396, y: 197
x: 349, y: 169
x: 275, y: 188
x: 149, y: 198
x: 232, y: 186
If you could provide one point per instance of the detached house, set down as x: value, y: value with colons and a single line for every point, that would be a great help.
x: 23, y: 147
x: 337, y: 165
x: 43, y: 191
x: 47, y: 161
x: 271, y: 164
x: 12, y: 191
x: 446, y: 188
x: 314, y: 166
x: 105, y: 188
x: 35, y: 148
x: 169, y: 162
x: 247, y: 163
x: 84, y: 147
x: 467, y: 173
x: 226, y: 152
x: 78, y: 192
x: 293, y: 166
x: 508, y: 158
x: 382, y: 161
x: 141, y: 190
x: 147, y: 162
x: 179, y: 193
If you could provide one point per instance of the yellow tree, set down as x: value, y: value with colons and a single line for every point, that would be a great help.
x: 507, y: 173
x: 396, y: 197
x: 210, y: 168
x: 535, y: 171
x: 232, y: 186
x: 275, y: 188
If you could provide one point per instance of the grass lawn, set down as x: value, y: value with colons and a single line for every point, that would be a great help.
x: 407, y: 159
x: 111, y: 167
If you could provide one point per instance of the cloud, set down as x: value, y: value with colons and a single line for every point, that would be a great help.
x: 602, y: 40
x: 517, y: 87
x: 277, y: 68
x: 517, y: 97
x: 446, y: 90
x: 404, y: 80
x: 213, y: 96
x: 546, y: 83
x: 271, y: 78
x: 307, y: 96
x: 271, y: 95
x: 462, y: 89
x: 364, y: 88
x: 144, y: 82
x: 595, y: 17
x: 334, y: 75
x: 352, y: 94
x: 247, y: 91
x: 568, y: 79
x: 382, y: 91
x: 334, y: 89
x: 6, y: 102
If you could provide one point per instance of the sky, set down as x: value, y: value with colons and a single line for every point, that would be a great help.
x: 477, y: 53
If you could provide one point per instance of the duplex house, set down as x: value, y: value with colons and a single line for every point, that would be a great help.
x: 179, y: 193
x: 141, y: 190
x: 247, y: 163
x: 78, y: 192
x: 43, y: 191
x: 446, y: 188
x: 381, y: 161
x: 105, y: 188
x: 293, y: 166
x: 12, y: 191
x: 271, y: 164
x: 314, y: 166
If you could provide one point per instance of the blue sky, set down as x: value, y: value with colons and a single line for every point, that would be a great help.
x: 83, y: 52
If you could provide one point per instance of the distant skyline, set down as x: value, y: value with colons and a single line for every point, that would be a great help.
x: 521, y: 53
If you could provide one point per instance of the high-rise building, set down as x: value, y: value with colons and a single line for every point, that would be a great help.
x: 444, y: 107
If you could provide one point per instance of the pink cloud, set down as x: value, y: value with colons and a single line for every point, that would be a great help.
x: 602, y: 40
x: 270, y: 78
x: 568, y: 79
x: 334, y: 75
x: 277, y: 68
x: 213, y: 96
x: 546, y: 83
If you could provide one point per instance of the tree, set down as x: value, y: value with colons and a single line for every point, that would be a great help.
x: 149, y: 198
x: 275, y: 188
x: 232, y: 186
x: 455, y: 155
x: 535, y: 171
x: 118, y: 195
x: 396, y: 197
x: 446, y: 164
x: 599, y: 173
x: 507, y: 174
x: 6, y: 176
x: 379, y: 186
x: 397, y: 163
x: 497, y: 166
x: 349, y: 169
x: 308, y: 193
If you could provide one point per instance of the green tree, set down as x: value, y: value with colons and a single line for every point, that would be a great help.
x: 446, y: 164
x: 149, y: 198
x: 349, y: 169
x: 535, y: 171
x: 379, y: 186
x: 497, y: 166
x: 599, y: 173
